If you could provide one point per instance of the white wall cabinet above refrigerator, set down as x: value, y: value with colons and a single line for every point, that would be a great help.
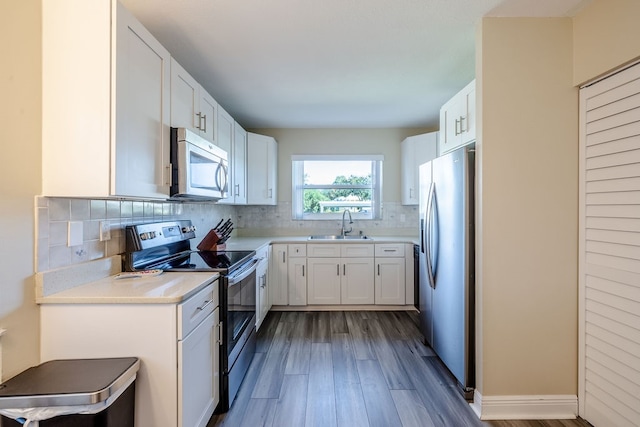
x: 105, y: 103
x: 458, y: 120
x: 415, y: 150
x: 191, y: 106
x: 262, y: 170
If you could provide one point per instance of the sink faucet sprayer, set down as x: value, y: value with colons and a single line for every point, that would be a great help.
x: 345, y: 232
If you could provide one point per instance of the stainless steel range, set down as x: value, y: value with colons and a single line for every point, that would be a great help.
x: 166, y: 246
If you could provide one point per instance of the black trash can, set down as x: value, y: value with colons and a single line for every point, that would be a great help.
x: 72, y: 393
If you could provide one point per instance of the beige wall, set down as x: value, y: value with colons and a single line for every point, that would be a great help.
x: 606, y: 35
x: 341, y: 141
x: 528, y: 155
x: 20, y: 178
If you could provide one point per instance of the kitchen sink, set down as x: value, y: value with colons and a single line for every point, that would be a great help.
x: 339, y: 237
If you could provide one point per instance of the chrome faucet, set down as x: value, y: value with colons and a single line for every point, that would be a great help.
x: 345, y: 232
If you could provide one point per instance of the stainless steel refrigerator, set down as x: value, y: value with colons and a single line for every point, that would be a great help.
x: 447, y: 267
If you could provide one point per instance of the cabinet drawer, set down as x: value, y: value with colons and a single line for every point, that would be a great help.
x: 196, y: 309
x: 390, y: 250
x: 325, y: 250
x: 356, y: 250
x: 297, y: 250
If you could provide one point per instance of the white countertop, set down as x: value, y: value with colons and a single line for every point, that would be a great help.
x: 167, y: 288
x: 253, y: 243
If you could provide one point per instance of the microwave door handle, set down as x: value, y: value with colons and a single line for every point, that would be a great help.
x: 221, y: 177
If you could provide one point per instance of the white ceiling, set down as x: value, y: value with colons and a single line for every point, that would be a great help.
x: 330, y: 63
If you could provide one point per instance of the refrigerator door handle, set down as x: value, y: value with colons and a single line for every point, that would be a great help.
x: 428, y: 229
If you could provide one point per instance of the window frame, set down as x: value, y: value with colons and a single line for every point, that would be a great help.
x: 298, y: 186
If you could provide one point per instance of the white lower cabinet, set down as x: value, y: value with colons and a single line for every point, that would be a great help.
x: 297, y: 277
x: 340, y: 274
x: 324, y: 281
x: 390, y: 276
x: 178, y: 380
x: 263, y: 301
x: 278, y: 275
x: 288, y: 274
x: 357, y: 281
x: 196, y: 356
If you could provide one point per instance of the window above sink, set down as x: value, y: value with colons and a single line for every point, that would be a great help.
x: 324, y: 186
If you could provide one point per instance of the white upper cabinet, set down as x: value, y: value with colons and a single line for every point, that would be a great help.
x: 239, y: 190
x: 262, y: 170
x: 458, y: 120
x: 415, y: 150
x: 191, y: 106
x: 105, y: 103
x: 224, y: 140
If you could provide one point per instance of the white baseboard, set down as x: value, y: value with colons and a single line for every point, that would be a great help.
x: 535, y: 407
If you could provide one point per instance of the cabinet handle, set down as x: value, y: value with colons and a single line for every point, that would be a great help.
x: 337, y: 269
x: 457, y: 124
x: 462, y: 128
x: 389, y: 250
x: 199, y: 121
x: 269, y: 193
x: 303, y: 271
x: 204, y: 119
x: 283, y: 260
x: 203, y: 306
x: 237, y: 190
x: 168, y: 177
x: 344, y: 269
x: 411, y: 193
x: 220, y: 333
x: 378, y: 269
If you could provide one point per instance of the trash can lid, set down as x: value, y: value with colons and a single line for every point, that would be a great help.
x: 68, y: 382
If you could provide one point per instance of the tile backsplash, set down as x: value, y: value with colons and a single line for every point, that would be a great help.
x: 54, y: 214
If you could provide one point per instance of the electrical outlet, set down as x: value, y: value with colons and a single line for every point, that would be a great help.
x: 105, y: 231
x: 74, y: 233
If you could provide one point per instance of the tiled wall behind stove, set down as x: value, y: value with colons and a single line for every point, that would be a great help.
x: 54, y: 214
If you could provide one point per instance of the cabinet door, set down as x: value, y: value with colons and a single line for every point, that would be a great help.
x: 297, y: 281
x: 416, y: 150
x: 272, y: 171
x: 324, y: 280
x: 239, y: 165
x: 390, y: 281
x: 208, y: 119
x: 357, y: 285
x: 196, y: 379
x: 142, y: 113
x: 262, y: 292
x: 450, y: 114
x: 262, y: 169
x: 469, y: 103
x: 278, y: 271
x: 224, y: 140
x: 185, y: 99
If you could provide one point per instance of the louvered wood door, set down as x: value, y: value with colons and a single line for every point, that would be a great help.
x: 609, y: 270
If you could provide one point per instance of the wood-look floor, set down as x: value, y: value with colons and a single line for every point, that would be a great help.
x: 351, y: 369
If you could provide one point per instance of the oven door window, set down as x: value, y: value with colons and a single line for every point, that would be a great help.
x: 241, y: 300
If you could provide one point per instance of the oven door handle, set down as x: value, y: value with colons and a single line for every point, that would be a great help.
x: 244, y: 273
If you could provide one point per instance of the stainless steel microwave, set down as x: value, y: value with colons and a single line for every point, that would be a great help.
x: 199, y: 169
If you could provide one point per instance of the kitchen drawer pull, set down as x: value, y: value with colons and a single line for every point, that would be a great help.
x: 206, y: 303
x: 390, y: 250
